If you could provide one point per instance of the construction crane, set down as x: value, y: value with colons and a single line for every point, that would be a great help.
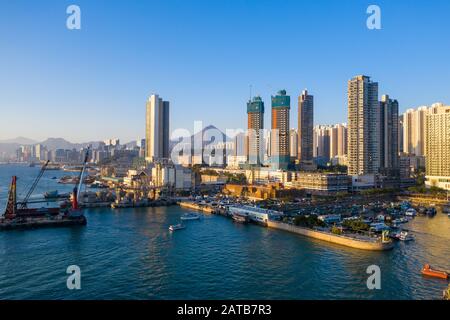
x: 77, y: 189
x: 23, y: 204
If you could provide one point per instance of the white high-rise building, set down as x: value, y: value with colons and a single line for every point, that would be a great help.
x: 157, y: 129
x: 438, y: 146
x: 414, y: 134
x: 363, y: 126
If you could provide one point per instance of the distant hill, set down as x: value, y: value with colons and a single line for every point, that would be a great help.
x: 19, y: 140
x: 209, y: 137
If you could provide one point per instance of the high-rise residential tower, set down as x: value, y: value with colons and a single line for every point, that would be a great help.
x: 414, y: 134
x: 255, y: 115
x: 363, y: 126
x: 305, y: 127
x: 157, y: 129
x: 280, y: 150
x: 389, y: 151
x: 342, y: 139
x: 438, y: 146
x: 293, y: 143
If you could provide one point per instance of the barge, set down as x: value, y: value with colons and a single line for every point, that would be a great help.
x: 18, y: 216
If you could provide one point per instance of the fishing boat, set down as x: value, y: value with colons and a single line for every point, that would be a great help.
x: 428, y: 271
x: 190, y: 216
x: 175, y: 227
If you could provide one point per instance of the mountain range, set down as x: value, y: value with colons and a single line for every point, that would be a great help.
x: 8, y: 147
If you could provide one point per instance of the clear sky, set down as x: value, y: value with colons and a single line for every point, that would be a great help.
x: 202, y: 56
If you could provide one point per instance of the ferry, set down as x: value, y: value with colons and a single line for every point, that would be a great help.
x: 175, y: 227
x: 256, y: 214
x: 428, y: 271
x: 190, y: 216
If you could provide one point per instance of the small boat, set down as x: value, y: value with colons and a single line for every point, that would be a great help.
x: 411, y: 212
x: 446, y: 208
x: 175, y: 227
x: 97, y: 184
x: 428, y: 271
x: 51, y: 194
x: 405, y: 236
x: 402, y: 236
x: 431, y: 212
x: 190, y: 216
x: 422, y: 211
x: 239, y: 218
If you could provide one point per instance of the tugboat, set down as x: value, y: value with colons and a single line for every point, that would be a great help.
x: 428, y: 271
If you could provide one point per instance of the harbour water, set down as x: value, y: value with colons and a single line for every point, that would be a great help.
x: 130, y: 254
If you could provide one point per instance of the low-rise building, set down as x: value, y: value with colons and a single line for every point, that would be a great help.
x: 320, y: 183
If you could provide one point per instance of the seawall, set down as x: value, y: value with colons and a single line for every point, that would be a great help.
x: 195, y: 206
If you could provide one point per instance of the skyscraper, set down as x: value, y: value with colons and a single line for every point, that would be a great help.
x: 321, y: 143
x: 389, y: 157
x: 363, y: 126
x: 342, y: 139
x: 280, y: 150
x: 157, y: 129
x: 414, y: 134
x: 293, y: 143
x: 305, y: 127
x: 438, y: 146
x: 255, y: 115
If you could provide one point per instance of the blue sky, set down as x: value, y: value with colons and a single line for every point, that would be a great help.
x: 202, y: 56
